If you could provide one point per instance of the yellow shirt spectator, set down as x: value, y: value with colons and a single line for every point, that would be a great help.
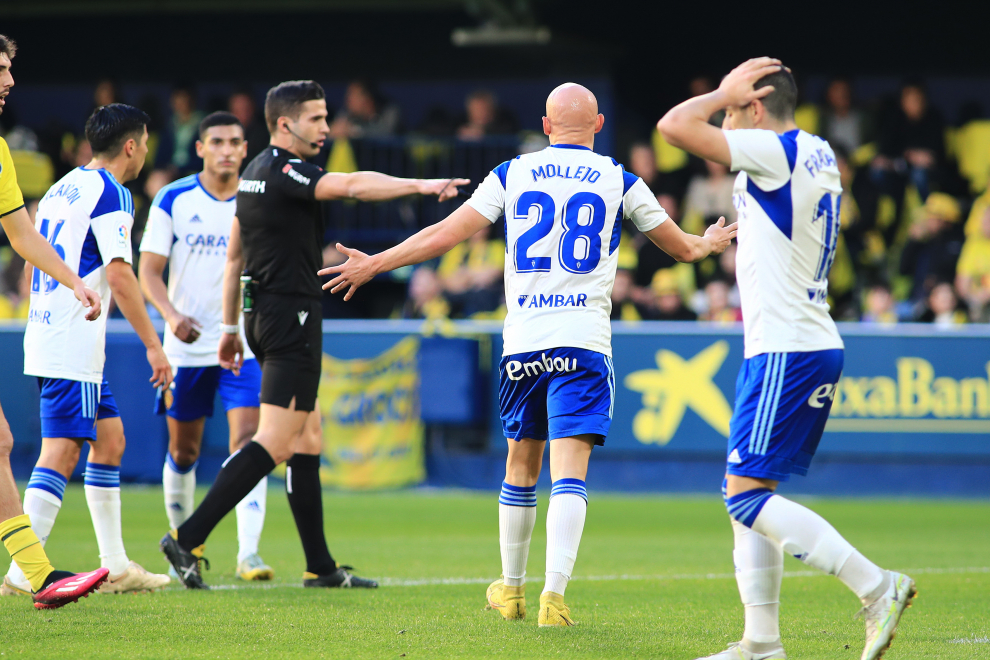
x: 10, y: 195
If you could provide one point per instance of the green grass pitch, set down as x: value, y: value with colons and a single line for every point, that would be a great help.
x: 653, y: 580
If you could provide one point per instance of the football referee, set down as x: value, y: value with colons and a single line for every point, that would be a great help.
x: 275, y: 248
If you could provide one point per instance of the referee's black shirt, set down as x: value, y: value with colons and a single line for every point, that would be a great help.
x: 281, y: 223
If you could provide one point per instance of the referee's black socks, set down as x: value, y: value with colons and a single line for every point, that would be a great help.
x: 302, y: 485
x: 238, y: 476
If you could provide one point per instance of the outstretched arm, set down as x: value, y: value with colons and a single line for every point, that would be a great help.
x: 690, y: 248
x: 377, y: 187
x: 31, y: 245
x: 686, y: 125
x: 422, y: 246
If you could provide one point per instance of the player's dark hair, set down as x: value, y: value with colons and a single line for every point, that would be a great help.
x: 781, y: 102
x: 286, y: 99
x: 7, y: 46
x: 221, y: 118
x: 111, y: 126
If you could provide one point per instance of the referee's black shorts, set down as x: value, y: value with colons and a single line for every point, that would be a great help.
x: 286, y: 335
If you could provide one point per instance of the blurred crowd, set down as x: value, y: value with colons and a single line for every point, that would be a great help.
x: 915, y: 210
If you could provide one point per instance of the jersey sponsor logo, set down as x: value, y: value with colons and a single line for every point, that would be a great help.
x: 517, y: 370
x: 822, y: 392
x: 251, y: 186
x: 676, y: 386
x: 37, y: 316
x: 551, y: 171
x: 205, y: 241
x: 527, y: 301
x: 295, y: 176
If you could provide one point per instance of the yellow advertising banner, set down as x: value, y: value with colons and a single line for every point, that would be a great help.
x: 372, y: 431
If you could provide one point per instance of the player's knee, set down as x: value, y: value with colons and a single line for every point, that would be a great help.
x: 184, y: 456
x: 746, y: 506
x: 6, y: 439
x: 109, y: 449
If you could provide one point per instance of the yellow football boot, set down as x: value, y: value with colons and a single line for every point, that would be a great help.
x: 553, y: 612
x: 509, y: 601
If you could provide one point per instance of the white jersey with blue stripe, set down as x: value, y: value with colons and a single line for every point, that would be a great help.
x: 787, y: 195
x: 563, y: 210
x: 87, y: 217
x: 192, y: 228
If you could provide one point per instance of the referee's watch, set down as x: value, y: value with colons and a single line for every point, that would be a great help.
x: 229, y: 329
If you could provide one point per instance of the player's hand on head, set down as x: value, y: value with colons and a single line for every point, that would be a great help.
x: 738, y: 85
x: 720, y: 236
x: 350, y: 275
x: 444, y: 188
x: 161, y: 370
x: 185, y: 328
x: 230, y: 353
x: 90, y: 299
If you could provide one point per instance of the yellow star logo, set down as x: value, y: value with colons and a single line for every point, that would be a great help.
x: 677, y: 385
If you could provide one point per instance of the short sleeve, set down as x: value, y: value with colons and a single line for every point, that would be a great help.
x: 640, y: 205
x: 766, y: 157
x: 10, y: 194
x: 112, y: 220
x: 158, y: 232
x: 296, y: 178
x: 489, y: 198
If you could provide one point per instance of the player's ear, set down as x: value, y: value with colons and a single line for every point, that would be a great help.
x: 199, y: 148
x: 546, y: 126
x: 599, y: 122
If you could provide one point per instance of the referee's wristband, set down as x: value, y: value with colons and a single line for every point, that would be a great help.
x: 230, y: 329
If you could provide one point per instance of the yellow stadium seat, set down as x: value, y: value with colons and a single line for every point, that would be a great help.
x: 669, y: 158
x: 35, y: 172
x: 971, y: 145
x: 808, y: 118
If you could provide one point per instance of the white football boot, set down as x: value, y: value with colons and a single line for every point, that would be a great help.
x: 883, y: 615
x: 136, y: 578
x: 736, y: 651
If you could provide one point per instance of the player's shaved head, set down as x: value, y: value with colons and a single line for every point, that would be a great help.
x: 572, y: 106
x: 572, y: 115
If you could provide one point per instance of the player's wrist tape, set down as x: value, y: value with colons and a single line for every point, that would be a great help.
x: 229, y: 329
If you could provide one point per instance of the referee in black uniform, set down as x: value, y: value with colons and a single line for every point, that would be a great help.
x: 275, y: 248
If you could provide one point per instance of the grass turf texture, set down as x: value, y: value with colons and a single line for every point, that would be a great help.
x: 676, y: 599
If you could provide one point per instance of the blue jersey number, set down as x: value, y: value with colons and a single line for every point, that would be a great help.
x: 828, y: 212
x: 580, y: 247
x: 43, y: 282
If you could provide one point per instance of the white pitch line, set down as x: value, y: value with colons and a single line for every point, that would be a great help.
x: 426, y: 582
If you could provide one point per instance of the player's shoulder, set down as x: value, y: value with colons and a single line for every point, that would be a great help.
x: 166, y: 197
x: 113, y: 196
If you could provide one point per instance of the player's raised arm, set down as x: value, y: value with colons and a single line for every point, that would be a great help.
x: 377, y: 187
x: 686, y: 125
x: 31, y: 245
x: 426, y: 244
x: 231, y: 350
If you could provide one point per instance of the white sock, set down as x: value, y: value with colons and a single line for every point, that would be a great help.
x: 759, y: 569
x: 251, y: 520
x: 809, y: 537
x: 516, y: 519
x: 42, y: 507
x: 860, y: 575
x: 102, y: 485
x: 565, y: 523
x: 179, y: 484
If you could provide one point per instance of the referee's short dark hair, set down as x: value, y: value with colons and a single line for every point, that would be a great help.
x: 7, y: 46
x: 111, y: 126
x: 221, y: 118
x: 286, y: 99
x: 782, y: 101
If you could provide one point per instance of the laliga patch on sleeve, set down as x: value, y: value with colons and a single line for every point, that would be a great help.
x: 122, y: 235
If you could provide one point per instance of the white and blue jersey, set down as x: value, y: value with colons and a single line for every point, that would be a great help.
x: 192, y: 228
x: 787, y: 197
x: 563, y: 209
x: 87, y: 217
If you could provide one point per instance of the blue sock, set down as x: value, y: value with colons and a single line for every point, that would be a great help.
x: 517, y: 495
x: 745, y: 507
x: 102, y: 476
x: 179, y: 469
x: 49, y: 481
x: 572, y: 486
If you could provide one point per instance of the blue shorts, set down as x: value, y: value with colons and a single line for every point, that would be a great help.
x: 556, y: 393
x: 192, y: 392
x: 70, y: 408
x: 782, y: 403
